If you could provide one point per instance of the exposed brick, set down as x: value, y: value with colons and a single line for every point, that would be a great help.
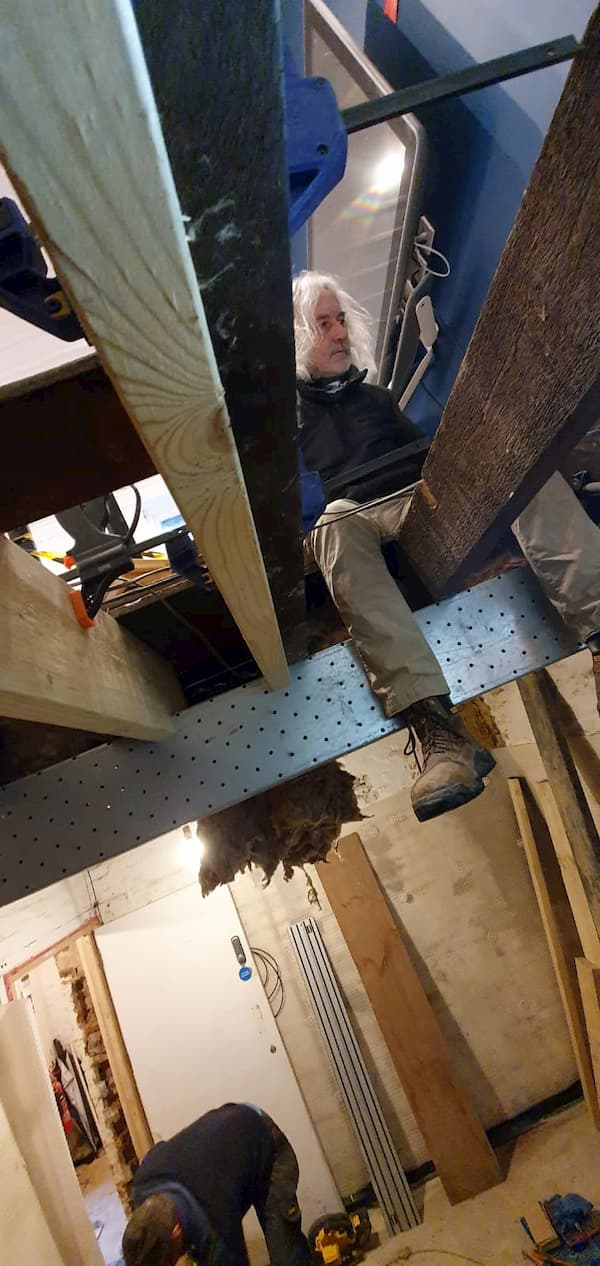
x: 114, y: 1133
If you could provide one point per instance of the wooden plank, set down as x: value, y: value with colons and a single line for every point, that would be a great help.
x: 540, y: 1226
x: 458, y: 1146
x: 573, y: 882
x: 240, y: 244
x: 108, y: 1023
x: 26, y: 1237
x: 52, y: 670
x: 28, y: 1101
x: 528, y: 386
x: 50, y: 951
x: 113, y: 224
x: 589, y: 984
x: 560, y: 929
x: 538, y: 693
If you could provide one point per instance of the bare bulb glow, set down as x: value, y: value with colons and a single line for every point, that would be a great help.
x: 190, y: 849
x: 388, y: 172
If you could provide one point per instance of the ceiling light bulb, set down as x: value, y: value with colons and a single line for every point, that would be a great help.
x: 191, y: 850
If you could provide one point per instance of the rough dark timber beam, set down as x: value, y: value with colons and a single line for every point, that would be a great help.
x: 528, y: 387
x: 217, y: 81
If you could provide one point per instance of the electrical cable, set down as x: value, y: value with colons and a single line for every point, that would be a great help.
x: 276, y: 987
x: 408, y: 1253
x: 136, y: 514
x: 128, y: 537
x: 366, y: 505
x: 137, y: 583
x: 421, y: 249
x: 279, y: 984
x: 182, y: 619
x: 243, y: 663
x: 270, y: 964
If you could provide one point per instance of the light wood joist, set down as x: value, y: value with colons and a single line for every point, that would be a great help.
x: 118, y: 1057
x: 53, y: 671
x: 565, y: 803
x: 81, y: 137
x: 560, y: 928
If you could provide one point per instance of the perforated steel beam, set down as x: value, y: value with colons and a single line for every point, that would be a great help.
x: 99, y: 804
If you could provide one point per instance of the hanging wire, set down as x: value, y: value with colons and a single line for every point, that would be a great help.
x: 326, y: 520
x: 197, y: 633
x: 270, y: 965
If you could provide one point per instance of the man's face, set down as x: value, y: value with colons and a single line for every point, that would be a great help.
x: 331, y: 350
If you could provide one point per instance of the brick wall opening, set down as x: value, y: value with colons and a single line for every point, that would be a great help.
x: 91, y: 1050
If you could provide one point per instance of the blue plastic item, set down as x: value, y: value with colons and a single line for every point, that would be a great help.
x: 573, y: 1218
x: 26, y: 290
x: 311, y: 495
x: 569, y: 1214
x: 317, y: 144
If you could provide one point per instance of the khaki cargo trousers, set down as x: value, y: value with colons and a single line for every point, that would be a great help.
x: 557, y: 537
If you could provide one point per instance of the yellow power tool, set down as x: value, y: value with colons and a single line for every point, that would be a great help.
x: 338, y: 1239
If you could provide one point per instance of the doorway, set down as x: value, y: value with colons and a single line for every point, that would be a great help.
x: 90, y: 1112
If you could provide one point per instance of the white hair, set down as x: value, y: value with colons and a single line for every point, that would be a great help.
x: 306, y: 288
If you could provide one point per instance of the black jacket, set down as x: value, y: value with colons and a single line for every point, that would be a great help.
x: 352, y: 424
x: 224, y: 1160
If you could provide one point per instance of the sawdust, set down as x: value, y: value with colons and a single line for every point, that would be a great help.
x: 292, y: 825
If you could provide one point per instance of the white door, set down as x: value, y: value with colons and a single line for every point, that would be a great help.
x: 198, y: 1035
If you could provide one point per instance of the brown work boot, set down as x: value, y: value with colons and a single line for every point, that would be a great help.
x: 453, y: 766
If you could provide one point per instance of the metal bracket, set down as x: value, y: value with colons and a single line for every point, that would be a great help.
x: 459, y: 83
x: 94, y: 806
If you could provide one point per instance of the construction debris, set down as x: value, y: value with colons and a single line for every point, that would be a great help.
x: 294, y: 824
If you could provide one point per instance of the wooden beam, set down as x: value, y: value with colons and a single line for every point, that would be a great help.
x: 589, y: 984
x: 120, y: 1063
x: 444, y: 1113
x: 528, y: 387
x: 110, y: 217
x: 23, y: 969
x: 571, y: 874
x: 239, y: 244
x: 538, y: 693
x: 561, y: 933
x: 52, y: 670
x: 78, y: 403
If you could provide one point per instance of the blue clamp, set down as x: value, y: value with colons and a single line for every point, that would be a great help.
x: 317, y: 144
x: 26, y: 290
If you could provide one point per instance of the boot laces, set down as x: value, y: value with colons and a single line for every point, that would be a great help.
x: 411, y: 748
x: 435, y: 732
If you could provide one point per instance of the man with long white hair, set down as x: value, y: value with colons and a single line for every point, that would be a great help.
x: 344, y: 422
